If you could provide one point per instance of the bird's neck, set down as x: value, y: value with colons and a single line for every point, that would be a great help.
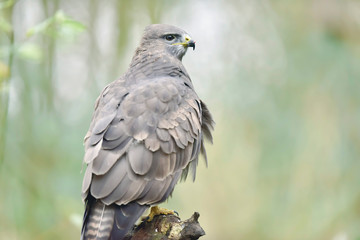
x: 150, y: 63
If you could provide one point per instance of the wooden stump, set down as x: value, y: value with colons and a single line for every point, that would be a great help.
x: 168, y: 227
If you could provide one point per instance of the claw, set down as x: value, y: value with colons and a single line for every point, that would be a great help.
x: 159, y: 211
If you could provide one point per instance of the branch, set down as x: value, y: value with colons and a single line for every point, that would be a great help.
x: 168, y: 227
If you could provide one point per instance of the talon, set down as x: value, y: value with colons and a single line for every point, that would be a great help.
x: 144, y: 218
x: 159, y: 211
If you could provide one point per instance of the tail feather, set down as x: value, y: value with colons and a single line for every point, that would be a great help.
x: 125, y: 218
x: 102, y: 222
x: 99, y: 222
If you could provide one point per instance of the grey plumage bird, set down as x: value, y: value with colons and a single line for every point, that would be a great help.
x: 146, y: 133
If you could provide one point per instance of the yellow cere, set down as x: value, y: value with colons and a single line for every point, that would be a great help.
x: 187, y: 39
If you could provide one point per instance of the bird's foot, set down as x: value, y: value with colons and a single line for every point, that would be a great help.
x: 159, y: 211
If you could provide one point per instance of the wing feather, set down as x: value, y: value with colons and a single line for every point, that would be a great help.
x: 87, y: 179
x: 103, y: 123
x: 114, y: 132
x: 152, y: 143
x: 103, y: 185
x: 140, y: 158
x: 163, y: 165
x: 139, y: 151
x: 92, y: 152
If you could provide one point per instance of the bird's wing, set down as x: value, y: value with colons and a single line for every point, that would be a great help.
x: 141, y: 139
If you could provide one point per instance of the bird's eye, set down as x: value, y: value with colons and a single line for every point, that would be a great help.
x: 169, y: 37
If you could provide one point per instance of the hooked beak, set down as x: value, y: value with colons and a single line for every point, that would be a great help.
x: 188, y: 43
x: 191, y: 43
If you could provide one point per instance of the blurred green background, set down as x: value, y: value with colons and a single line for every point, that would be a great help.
x: 282, y: 79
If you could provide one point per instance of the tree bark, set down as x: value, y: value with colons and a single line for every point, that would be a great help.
x: 168, y: 227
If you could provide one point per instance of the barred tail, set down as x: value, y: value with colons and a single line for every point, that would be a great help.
x: 98, y: 221
x: 102, y: 222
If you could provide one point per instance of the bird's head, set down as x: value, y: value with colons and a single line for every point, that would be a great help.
x: 173, y: 40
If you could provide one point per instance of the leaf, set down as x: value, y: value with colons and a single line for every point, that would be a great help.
x: 40, y: 28
x: 30, y: 51
x: 59, y: 25
x: 70, y: 29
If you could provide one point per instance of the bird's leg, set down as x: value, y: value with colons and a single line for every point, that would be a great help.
x: 158, y: 211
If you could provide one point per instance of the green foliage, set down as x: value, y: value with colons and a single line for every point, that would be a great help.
x: 30, y: 51
x: 281, y: 78
x: 5, y: 26
x: 6, y: 4
x: 58, y: 26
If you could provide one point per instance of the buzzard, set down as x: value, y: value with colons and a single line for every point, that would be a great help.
x: 147, y: 132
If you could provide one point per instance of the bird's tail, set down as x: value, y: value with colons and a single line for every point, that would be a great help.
x: 102, y: 222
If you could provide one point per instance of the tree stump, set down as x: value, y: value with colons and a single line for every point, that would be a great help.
x: 168, y: 227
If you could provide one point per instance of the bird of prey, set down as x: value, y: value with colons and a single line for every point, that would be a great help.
x: 147, y: 132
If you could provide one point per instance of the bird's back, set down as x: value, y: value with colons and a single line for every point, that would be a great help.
x: 146, y: 133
